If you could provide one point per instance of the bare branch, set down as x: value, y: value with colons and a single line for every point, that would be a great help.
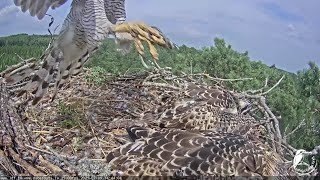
x: 315, y: 151
x: 16, y: 66
x: 293, y: 131
x: 259, y: 90
x: 220, y: 79
x: 21, y: 59
x: 275, y: 120
x: 273, y: 86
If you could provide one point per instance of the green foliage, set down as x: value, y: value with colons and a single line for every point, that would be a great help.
x: 296, y: 98
x: 309, y: 91
x: 21, y: 45
x: 310, y: 81
x: 97, y: 76
x: 69, y: 114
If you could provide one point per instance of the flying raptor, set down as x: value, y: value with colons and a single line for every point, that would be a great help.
x: 88, y: 23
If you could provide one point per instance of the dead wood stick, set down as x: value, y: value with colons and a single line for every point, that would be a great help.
x: 7, y: 165
x: 24, y: 164
x: 264, y: 93
x: 295, y: 129
x: 53, y: 168
x: 14, y: 67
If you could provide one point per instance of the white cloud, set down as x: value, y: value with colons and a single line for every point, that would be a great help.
x: 8, y: 10
x: 292, y: 31
x: 14, y: 21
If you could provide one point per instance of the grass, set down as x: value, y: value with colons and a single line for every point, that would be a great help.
x: 73, y: 117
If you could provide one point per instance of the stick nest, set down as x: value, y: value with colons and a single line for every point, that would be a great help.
x: 72, y: 135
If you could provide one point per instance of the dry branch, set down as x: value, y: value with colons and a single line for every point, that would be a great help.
x: 315, y: 151
x: 17, y: 67
x: 274, y: 86
x: 295, y: 129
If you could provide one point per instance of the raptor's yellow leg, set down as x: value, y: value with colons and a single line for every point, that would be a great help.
x: 143, y: 32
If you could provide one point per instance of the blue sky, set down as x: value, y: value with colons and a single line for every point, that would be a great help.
x: 285, y: 33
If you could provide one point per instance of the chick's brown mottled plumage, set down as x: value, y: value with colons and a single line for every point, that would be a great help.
x: 203, y: 108
x: 173, y: 152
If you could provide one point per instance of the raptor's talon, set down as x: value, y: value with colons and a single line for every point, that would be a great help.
x: 140, y: 31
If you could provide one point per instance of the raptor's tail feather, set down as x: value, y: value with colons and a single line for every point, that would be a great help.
x: 40, y: 81
x: 35, y: 76
x: 68, y: 69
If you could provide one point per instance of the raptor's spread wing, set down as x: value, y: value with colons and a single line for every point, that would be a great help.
x: 38, y: 8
